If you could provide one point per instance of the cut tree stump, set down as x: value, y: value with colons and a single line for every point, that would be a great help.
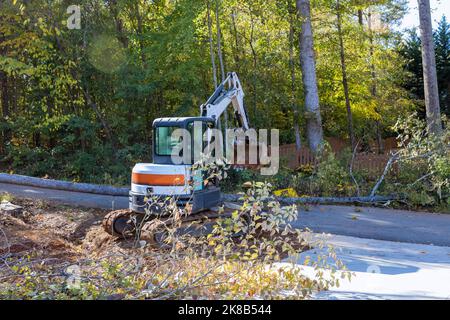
x: 11, y: 209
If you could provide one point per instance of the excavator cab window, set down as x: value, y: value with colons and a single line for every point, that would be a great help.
x: 165, y: 143
x: 197, y: 137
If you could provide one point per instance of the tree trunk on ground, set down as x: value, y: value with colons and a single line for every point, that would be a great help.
x: 292, y: 15
x: 307, y: 60
x: 344, y: 77
x: 429, y: 69
x: 321, y: 200
x: 63, y: 185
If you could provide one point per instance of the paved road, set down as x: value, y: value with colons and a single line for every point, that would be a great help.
x: 376, y: 223
x: 89, y: 200
x: 372, y: 223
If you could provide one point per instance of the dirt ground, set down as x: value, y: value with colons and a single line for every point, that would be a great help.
x: 40, y: 245
x: 54, y: 231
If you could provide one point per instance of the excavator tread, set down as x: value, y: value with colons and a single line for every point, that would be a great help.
x: 110, y: 219
x: 152, y: 229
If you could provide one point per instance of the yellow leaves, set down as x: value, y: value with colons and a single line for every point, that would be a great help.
x: 15, y: 67
x: 289, y: 192
x: 250, y: 256
x: 218, y: 248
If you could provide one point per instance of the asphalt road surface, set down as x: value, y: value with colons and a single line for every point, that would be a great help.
x: 362, y: 222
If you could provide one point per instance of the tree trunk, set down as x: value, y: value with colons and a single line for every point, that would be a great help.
x: 211, y: 45
x: 102, y: 119
x: 374, y: 90
x: 63, y: 185
x: 320, y: 200
x: 219, y: 43
x: 344, y: 77
x: 219, y: 53
x: 429, y: 69
x: 292, y: 15
x: 360, y: 17
x: 140, y: 33
x: 6, y: 134
x: 308, y: 65
x: 255, y: 64
x: 236, y: 39
x: 118, y: 23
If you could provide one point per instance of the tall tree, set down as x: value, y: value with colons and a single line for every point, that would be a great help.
x: 410, y: 49
x: 442, y: 40
x: 5, y: 109
x: 4, y: 99
x: 219, y: 53
x: 308, y: 65
x: 373, y: 75
x: 292, y: 19
x: 429, y: 69
x: 211, y: 44
x: 351, y: 132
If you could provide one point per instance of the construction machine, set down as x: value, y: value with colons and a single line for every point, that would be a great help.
x: 151, y: 183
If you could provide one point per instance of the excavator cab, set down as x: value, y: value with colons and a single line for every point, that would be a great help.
x: 163, y: 178
x: 177, y: 179
x: 164, y: 142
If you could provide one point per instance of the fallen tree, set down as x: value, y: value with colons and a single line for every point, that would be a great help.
x: 63, y: 185
x: 122, y: 191
x: 323, y: 200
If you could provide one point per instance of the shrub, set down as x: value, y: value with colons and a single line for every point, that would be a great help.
x: 328, y: 178
x: 423, y: 162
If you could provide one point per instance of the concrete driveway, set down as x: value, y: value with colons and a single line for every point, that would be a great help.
x: 386, y: 270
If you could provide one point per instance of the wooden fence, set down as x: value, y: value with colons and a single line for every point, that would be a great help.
x: 373, y: 163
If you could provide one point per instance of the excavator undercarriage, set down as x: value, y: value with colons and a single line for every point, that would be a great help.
x: 154, y: 229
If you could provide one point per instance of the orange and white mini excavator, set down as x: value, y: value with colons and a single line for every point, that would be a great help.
x: 163, y: 178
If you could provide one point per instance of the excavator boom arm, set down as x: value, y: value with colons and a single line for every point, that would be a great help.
x: 228, y: 92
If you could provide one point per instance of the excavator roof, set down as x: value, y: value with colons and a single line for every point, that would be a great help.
x: 179, y: 121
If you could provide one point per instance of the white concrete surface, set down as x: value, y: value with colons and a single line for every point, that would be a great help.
x: 387, y: 270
